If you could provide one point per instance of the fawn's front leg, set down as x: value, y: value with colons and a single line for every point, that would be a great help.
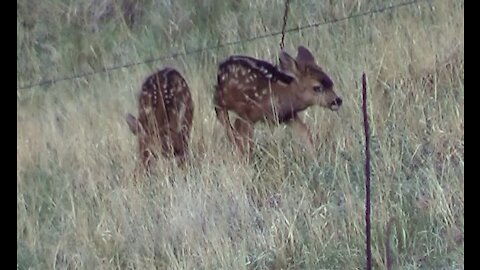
x: 303, y: 132
x: 244, y: 136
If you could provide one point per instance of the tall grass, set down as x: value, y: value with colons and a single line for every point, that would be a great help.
x: 79, y: 205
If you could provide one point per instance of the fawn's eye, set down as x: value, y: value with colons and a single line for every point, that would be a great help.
x: 317, y: 88
x: 147, y: 154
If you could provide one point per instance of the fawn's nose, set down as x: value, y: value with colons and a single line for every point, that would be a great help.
x: 337, y: 102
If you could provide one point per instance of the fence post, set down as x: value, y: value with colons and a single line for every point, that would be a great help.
x: 367, y: 173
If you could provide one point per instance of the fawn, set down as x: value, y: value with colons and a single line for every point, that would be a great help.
x: 165, y: 112
x: 259, y: 91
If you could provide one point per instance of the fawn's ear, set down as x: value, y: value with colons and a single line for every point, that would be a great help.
x: 305, y: 56
x: 134, y: 125
x: 288, y: 63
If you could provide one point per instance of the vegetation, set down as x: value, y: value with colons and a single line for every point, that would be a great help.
x: 80, y: 206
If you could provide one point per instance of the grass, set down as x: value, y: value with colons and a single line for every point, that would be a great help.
x: 79, y: 205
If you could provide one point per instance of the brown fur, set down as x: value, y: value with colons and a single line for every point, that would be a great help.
x: 258, y: 91
x: 165, y: 110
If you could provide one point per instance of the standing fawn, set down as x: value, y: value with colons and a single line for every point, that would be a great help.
x: 165, y: 112
x: 256, y: 90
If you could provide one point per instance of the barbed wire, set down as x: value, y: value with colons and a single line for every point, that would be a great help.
x: 285, y: 16
x: 216, y: 47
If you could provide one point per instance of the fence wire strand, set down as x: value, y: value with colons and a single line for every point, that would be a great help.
x: 219, y: 46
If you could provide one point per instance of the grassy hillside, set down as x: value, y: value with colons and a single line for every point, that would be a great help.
x: 79, y: 205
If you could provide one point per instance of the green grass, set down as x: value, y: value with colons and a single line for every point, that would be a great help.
x: 79, y: 205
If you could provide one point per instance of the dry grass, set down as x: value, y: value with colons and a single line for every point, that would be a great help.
x: 79, y: 205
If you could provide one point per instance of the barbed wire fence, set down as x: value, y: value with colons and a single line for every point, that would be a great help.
x: 367, y: 169
x: 219, y: 46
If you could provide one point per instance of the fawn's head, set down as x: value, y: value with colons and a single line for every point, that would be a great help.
x: 311, y: 83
